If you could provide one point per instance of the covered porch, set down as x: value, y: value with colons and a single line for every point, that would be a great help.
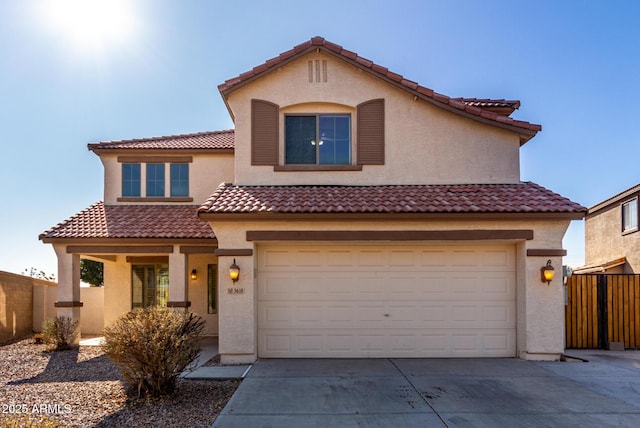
x: 152, y: 256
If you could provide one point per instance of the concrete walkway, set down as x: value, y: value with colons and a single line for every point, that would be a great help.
x: 604, y: 392
x: 210, y: 350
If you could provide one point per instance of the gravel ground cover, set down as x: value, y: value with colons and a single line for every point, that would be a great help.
x: 81, y: 387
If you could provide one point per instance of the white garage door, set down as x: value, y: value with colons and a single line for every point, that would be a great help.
x: 386, y: 301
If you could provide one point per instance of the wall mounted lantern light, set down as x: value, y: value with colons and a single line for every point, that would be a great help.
x: 234, y: 271
x: 194, y: 274
x: 547, y: 272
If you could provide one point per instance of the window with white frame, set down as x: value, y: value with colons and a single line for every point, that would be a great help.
x: 630, y: 215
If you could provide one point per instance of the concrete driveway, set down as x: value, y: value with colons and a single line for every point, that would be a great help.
x: 439, y: 393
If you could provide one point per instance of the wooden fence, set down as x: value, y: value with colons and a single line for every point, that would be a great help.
x: 601, y: 309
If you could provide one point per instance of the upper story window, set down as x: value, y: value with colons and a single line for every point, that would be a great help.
x: 131, y: 179
x: 630, y: 215
x: 318, y: 142
x: 155, y: 179
x: 179, y: 179
x: 323, y: 139
x: 144, y: 179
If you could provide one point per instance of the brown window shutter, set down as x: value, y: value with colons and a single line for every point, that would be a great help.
x: 264, y: 133
x: 371, y: 132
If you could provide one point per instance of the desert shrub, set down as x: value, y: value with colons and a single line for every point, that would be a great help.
x: 22, y: 420
x: 59, y: 332
x: 152, y: 346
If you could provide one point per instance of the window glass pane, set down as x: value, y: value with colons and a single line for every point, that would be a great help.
x: 155, y: 179
x: 162, y: 287
x: 300, y: 135
x: 137, y: 282
x: 630, y: 215
x: 131, y: 179
x: 335, y: 133
x: 179, y: 179
x: 212, y: 288
x: 150, y: 285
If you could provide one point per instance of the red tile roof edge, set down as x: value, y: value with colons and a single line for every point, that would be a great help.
x: 118, y: 143
x: 120, y: 221
x: 425, y: 93
x: 522, y: 197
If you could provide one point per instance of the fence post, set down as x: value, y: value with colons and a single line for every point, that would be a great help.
x: 603, y: 328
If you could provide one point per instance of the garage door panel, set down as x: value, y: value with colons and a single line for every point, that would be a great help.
x: 392, y: 343
x: 342, y: 258
x: 275, y: 287
x: 432, y: 258
x: 369, y: 258
x: 386, y: 301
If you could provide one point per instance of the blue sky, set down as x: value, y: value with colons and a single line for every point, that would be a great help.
x: 574, y: 65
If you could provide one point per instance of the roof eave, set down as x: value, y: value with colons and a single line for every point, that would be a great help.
x: 132, y: 241
x: 157, y: 151
x: 615, y: 200
x: 280, y: 216
x: 228, y: 87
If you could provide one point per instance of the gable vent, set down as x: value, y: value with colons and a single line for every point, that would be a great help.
x: 318, y: 71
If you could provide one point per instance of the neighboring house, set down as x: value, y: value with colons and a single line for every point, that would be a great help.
x: 368, y: 216
x: 612, y: 244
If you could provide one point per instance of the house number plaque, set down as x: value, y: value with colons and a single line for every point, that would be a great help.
x: 235, y: 290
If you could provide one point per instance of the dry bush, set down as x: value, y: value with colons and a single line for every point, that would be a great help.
x: 152, y: 346
x: 17, y: 420
x: 59, y: 333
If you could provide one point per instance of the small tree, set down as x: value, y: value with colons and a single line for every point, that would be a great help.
x: 152, y: 346
x: 39, y: 274
x: 92, y: 272
x: 59, y: 333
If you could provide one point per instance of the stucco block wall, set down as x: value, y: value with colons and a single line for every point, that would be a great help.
x: 604, y: 240
x: 92, y: 312
x: 117, y: 289
x: 24, y: 303
x: 44, y: 299
x: 424, y: 144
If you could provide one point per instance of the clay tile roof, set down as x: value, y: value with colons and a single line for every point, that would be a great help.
x: 474, y: 198
x: 132, y: 221
x: 489, y: 103
x: 216, y: 140
x: 503, y: 107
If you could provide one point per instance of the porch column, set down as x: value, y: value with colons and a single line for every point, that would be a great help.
x: 237, y: 324
x: 68, y: 303
x: 178, y: 292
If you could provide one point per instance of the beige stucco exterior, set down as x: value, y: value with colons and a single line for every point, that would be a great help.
x: 114, y: 298
x: 540, y: 307
x: 424, y: 144
x: 605, y: 241
x: 206, y: 171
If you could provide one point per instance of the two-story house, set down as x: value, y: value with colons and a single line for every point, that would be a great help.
x: 612, y: 244
x: 351, y: 213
